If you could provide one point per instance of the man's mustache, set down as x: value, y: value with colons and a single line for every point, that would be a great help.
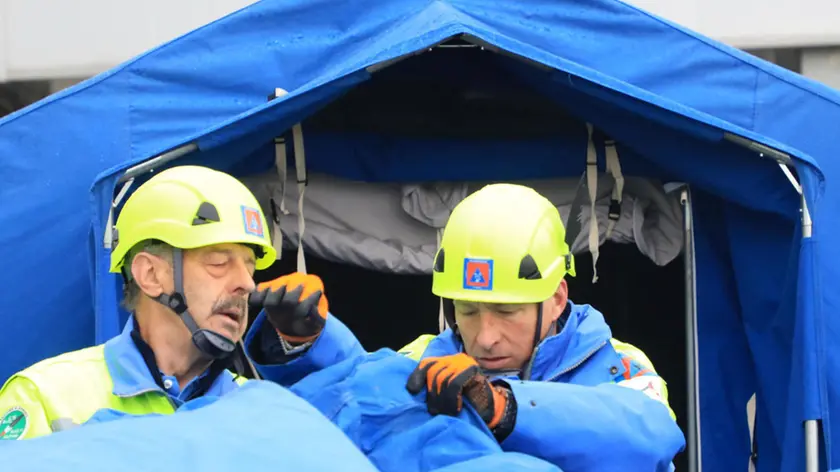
x: 239, y: 305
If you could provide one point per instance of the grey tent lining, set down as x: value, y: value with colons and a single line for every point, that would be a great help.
x: 394, y: 228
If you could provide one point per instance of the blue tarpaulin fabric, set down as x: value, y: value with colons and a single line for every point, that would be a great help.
x: 240, y: 431
x: 366, y: 397
x: 355, y: 424
x: 764, y: 304
x: 502, y: 462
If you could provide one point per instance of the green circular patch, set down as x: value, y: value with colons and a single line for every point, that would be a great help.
x: 13, y: 424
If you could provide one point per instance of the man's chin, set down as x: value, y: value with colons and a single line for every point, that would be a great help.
x: 232, y: 333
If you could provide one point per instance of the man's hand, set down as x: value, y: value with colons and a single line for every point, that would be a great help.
x: 447, y: 380
x: 294, y: 304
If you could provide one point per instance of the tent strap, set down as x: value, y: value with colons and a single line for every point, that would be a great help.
x: 280, y: 160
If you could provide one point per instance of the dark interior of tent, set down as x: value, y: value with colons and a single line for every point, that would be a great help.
x: 465, y: 92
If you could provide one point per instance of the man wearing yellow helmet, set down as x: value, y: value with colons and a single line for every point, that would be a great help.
x: 545, y: 374
x: 187, y: 242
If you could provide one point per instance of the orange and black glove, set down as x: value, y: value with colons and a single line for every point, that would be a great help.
x: 294, y: 304
x: 449, y: 379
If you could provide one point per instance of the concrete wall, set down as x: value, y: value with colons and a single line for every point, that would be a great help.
x: 754, y: 24
x: 49, y: 39
x: 822, y: 64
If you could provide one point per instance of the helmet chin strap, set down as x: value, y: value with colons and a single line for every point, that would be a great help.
x: 526, y: 371
x: 208, y: 342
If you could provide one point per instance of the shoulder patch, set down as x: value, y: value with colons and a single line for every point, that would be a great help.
x: 633, y: 367
x: 639, y: 374
x: 13, y: 424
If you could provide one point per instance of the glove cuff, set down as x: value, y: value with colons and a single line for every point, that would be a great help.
x: 508, y: 420
x: 295, y: 342
x: 289, y: 348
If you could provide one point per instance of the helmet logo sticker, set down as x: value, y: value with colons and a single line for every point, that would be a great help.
x: 253, y: 222
x: 478, y: 274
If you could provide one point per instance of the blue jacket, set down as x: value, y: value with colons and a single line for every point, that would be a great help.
x: 130, y: 366
x: 109, y: 380
x: 363, y: 399
x: 365, y: 396
x: 577, y: 412
x: 372, y: 424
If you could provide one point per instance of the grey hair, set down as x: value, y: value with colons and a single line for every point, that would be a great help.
x: 131, y: 291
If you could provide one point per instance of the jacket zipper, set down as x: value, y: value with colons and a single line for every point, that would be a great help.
x: 579, y: 362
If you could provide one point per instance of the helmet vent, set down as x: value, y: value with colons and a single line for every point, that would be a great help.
x: 207, y: 213
x: 528, y: 269
x: 439, y: 260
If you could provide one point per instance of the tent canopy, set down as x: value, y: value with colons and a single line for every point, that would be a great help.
x: 679, y: 106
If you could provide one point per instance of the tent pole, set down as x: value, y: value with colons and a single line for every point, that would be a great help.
x: 693, y: 426
x: 812, y: 448
x: 806, y: 218
x: 157, y: 161
x: 761, y: 149
x: 128, y: 179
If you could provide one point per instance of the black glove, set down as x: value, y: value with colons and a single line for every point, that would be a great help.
x: 295, y: 305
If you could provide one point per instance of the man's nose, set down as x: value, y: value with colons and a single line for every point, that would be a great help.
x: 488, y: 331
x: 242, y: 280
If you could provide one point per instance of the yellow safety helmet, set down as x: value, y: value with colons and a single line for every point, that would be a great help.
x: 189, y: 207
x: 503, y: 244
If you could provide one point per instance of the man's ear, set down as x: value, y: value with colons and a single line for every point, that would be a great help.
x: 558, y: 301
x: 150, y: 273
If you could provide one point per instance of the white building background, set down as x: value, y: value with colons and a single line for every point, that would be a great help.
x: 46, y: 45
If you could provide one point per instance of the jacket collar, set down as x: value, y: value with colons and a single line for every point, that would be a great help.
x: 584, y: 333
x: 131, y: 373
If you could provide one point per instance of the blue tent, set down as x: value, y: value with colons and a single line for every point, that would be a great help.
x: 681, y: 107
